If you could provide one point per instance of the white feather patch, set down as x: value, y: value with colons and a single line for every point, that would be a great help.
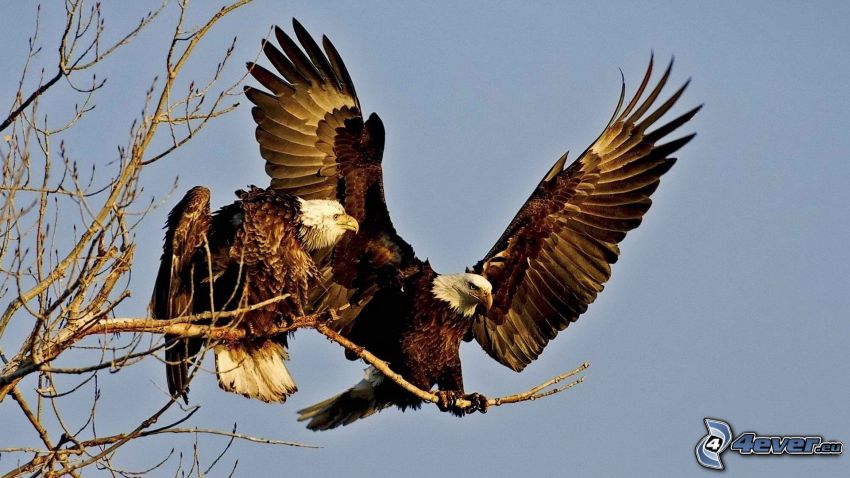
x: 454, y: 289
x: 255, y: 372
x: 318, y: 223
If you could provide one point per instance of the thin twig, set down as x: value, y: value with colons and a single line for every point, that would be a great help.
x: 240, y: 436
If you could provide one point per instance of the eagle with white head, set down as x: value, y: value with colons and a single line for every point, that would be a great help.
x: 464, y: 292
x: 259, y: 248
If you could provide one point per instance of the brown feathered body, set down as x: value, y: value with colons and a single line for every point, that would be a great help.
x: 419, y: 337
x: 243, y: 254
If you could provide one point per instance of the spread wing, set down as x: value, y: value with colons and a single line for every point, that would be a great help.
x: 316, y: 144
x: 186, y: 229
x: 555, y: 255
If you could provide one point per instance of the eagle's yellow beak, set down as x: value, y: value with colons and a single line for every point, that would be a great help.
x: 348, y: 223
x: 486, y: 299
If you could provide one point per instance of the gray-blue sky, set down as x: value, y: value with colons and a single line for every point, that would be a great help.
x: 729, y: 301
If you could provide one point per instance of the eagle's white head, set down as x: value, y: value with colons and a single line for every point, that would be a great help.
x: 464, y: 292
x: 323, y: 222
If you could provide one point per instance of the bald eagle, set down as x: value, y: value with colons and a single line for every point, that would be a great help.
x: 254, y: 249
x: 540, y: 276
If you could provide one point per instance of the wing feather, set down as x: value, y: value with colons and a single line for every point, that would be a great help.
x: 556, y: 255
x: 186, y: 230
x: 317, y: 145
x: 317, y: 58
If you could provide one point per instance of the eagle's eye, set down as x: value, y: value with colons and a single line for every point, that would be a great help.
x: 473, y: 286
x: 336, y: 216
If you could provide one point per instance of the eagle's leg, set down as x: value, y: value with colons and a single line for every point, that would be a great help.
x: 298, y: 306
x: 479, y: 403
x: 288, y: 315
x: 447, y: 401
x: 450, y: 384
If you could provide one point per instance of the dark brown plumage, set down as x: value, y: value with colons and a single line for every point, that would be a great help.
x: 550, y: 263
x: 255, y: 253
x: 185, y: 231
x: 418, y: 336
x: 555, y: 255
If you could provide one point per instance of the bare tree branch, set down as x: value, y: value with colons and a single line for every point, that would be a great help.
x: 534, y: 393
x: 185, y: 327
x: 67, y: 247
x: 67, y: 232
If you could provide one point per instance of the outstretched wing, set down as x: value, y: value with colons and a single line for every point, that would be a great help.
x: 316, y: 144
x: 555, y: 255
x: 186, y: 229
x: 297, y: 119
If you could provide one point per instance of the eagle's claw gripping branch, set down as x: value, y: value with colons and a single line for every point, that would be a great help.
x: 469, y: 402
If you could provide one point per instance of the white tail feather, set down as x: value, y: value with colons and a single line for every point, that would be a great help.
x: 255, y: 372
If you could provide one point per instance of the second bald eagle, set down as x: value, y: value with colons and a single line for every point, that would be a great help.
x: 248, y: 252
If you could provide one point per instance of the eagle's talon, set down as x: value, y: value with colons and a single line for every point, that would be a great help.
x: 479, y: 403
x: 447, y: 400
x: 283, y: 319
x: 326, y: 318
